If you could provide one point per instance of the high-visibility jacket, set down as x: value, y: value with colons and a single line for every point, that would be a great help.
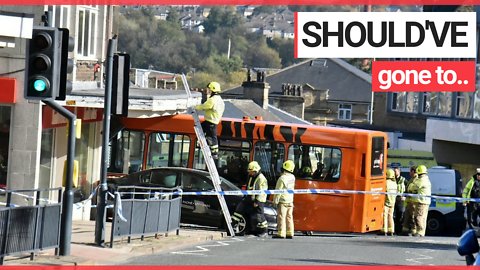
x: 285, y: 181
x: 400, y: 184
x: 421, y: 186
x: 213, y: 107
x: 467, y: 191
x: 391, y: 188
x: 258, y: 182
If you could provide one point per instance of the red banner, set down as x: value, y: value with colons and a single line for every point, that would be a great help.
x: 239, y: 2
x: 423, y: 76
x: 236, y: 267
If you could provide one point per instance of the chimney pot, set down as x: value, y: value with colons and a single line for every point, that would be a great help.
x: 246, y: 118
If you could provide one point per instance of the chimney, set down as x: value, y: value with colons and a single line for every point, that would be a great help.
x: 256, y: 90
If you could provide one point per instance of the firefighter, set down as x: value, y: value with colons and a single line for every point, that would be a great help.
x: 407, y: 223
x: 214, y: 108
x: 472, y: 190
x: 284, y: 202
x: 420, y: 186
x: 252, y: 205
x: 388, y: 222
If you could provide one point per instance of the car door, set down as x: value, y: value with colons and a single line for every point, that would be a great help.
x: 199, y: 209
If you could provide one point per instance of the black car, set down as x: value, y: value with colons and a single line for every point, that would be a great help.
x: 196, y: 209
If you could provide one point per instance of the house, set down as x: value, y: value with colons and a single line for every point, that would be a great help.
x: 320, y: 91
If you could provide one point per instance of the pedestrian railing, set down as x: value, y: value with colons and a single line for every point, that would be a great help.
x: 29, y: 221
x: 141, y: 211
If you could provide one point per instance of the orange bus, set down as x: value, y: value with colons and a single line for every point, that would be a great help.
x: 324, y: 157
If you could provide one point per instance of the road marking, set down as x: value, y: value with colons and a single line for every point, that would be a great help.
x: 419, y: 258
x: 200, y: 250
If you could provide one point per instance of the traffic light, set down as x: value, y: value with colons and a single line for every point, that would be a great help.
x: 42, y: 64
x: 66, y: 64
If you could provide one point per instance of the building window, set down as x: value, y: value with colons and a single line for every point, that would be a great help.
x: 398, y: 101
x: 437, y: 103
x: 464, y: 105
x: 87, y: 30
x: 345, y: 111
x: 60, y: 16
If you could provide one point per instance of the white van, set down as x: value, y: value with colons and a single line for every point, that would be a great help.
x: 444, y: 216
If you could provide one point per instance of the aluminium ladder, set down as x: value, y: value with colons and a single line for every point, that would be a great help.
x: 207, y: 154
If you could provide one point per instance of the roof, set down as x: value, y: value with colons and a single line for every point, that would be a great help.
x: 344, y: 81
x: 239, y: 108
x: 145, y: 102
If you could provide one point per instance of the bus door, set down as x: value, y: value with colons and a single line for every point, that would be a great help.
x: 369, y: 211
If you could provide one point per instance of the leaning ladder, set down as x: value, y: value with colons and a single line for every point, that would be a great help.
x: 209, y: 159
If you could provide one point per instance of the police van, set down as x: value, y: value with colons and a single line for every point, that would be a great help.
x: 444, y: 216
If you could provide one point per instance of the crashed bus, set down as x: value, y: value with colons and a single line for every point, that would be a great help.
x: 325, y: 158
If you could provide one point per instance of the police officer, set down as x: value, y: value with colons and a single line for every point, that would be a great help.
x: 214, y: 108
x: 399, y: 206
x: 420, y: 186
x: 388, y: 222
x: 252, y: 207
x: 472, y: 190
x: 284, y: 202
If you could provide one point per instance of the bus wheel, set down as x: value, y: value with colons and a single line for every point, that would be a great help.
x: 308, y: 233
x: 435, y: 223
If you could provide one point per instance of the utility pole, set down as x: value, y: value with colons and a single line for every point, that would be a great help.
x: 100, y: 221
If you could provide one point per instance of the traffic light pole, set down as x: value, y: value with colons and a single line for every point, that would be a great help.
x: 100, y: 221
x: 67, y: 202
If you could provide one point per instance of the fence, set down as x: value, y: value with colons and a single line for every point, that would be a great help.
x: 140, y: 211
x: 31, y: 227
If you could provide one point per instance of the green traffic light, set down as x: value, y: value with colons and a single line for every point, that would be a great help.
x: 39, y: 85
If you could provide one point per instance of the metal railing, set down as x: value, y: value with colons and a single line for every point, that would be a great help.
x: 141, y: 211
x: 31, y: 225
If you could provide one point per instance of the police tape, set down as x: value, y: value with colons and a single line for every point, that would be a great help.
x: 436, y: 198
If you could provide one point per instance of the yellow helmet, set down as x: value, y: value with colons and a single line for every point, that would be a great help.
x: 421, y: 169
x: 214, y: 87
x: 390, y: 174
x: 254, y: 166
x: 288, y: 166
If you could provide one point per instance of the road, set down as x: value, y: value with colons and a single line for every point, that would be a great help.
x: 321, y: 249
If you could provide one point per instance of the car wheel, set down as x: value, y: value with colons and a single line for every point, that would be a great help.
x: 435, y: 223
x: 241, y: 227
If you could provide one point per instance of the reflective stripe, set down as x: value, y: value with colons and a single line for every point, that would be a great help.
x: 262, y: 225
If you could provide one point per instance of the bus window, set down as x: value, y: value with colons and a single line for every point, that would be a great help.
x: 316, y: 162
x: 378, y: 156
x: 126, y: 152
x: 270, y: 156
x: 233, y: 160
x: 168, y: 150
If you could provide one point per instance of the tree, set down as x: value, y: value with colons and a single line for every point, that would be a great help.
x: 222, y: 17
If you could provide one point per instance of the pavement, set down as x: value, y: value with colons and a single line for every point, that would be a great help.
x: 84, y: 251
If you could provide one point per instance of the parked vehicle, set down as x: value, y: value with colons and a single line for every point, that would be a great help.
x: 444, y: 216
x: 196, y: 209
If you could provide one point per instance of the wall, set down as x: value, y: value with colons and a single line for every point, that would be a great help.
x: 24, y: 149
x: 290, y: 104
x: 389, y: 120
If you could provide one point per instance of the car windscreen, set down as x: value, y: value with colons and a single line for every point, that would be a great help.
x: 225, y: 184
